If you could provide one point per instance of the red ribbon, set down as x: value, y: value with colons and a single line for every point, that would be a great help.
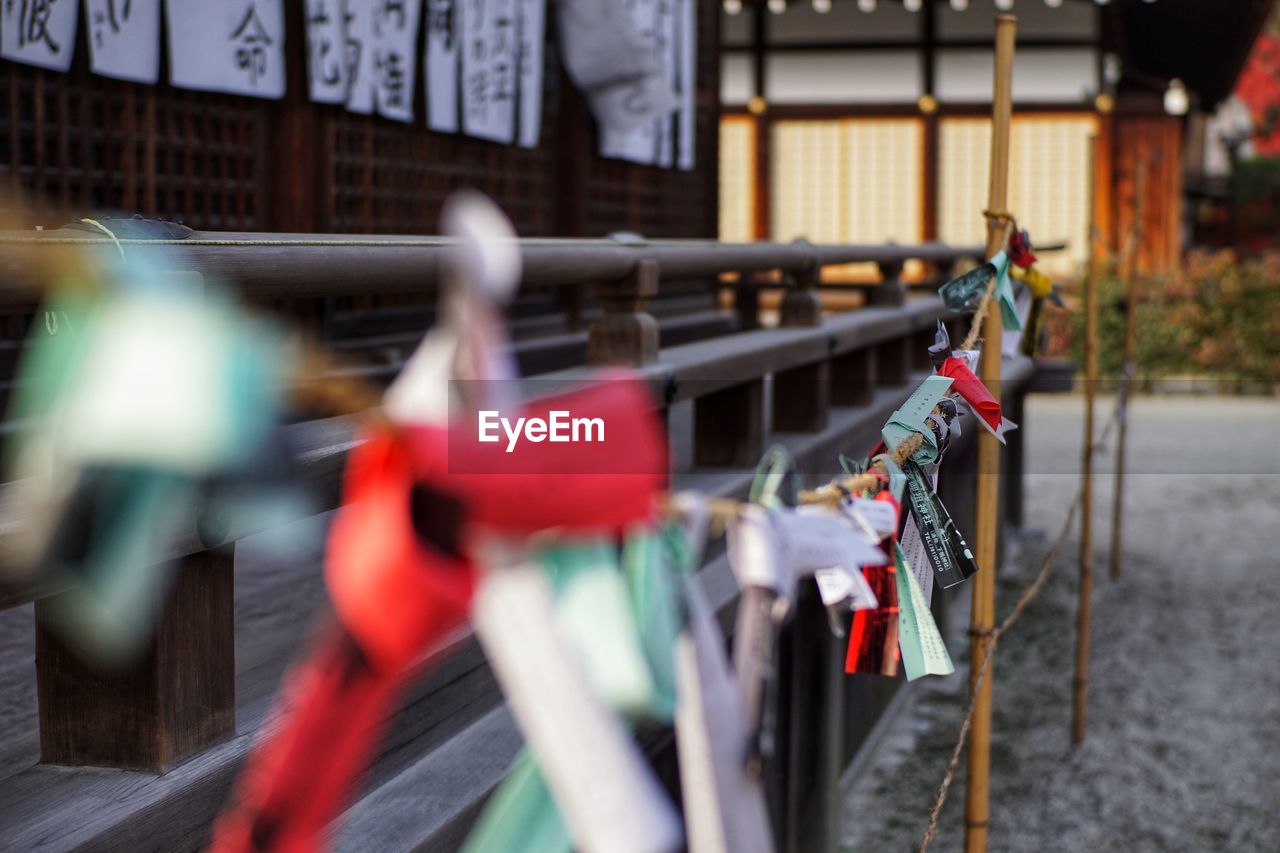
x: 1020, y: 253
x: 970, y: 387
x: 873, y: 634
x: 401, y: 577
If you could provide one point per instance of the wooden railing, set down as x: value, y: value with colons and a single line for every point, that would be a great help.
x: 819, y: 384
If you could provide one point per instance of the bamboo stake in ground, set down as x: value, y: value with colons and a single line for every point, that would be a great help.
x: 1083, y: 613
x: 1130, y: 349
x: 982, y: 620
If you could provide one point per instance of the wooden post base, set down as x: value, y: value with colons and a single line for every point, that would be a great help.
x: 853, y: 378
x: 800, y: 397
x: 728, y: 427
x: 176, y: 700
x: 625, y: 333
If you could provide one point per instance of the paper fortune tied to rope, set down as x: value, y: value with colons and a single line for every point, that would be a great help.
x: 923, y: 650
x: 948, y: 553
x: 911, y: 418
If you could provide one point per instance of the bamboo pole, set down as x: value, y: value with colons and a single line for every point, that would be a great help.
x: 1085, y: 606
x: 1130, y: 350
x: 982, y: 619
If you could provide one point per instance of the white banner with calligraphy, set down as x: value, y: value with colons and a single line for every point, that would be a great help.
x: 328, y: 75
x: 39, y: 32
x: 533, y: 23
x: 687, y: 83
x: 490, y: 52
x: 382, y: 37
x: 233, y: 46
x: 440, y: 65
x: 124, y: 39
x: 484, y: 68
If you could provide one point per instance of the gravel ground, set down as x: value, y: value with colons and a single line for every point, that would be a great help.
x: 1183, y: 748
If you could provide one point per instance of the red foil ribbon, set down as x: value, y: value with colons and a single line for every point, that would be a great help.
x: 873, y: 635
x: 970, y: 387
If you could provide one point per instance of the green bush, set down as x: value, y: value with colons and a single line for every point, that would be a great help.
x: 1216, y: 318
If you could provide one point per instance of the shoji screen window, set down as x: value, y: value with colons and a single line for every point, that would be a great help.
x: 737, y: 178
x: 1048, y: 182
x: 846, y: 181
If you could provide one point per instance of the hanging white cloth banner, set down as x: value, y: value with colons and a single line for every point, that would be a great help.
x: 533, y: 17
x: 327, y: 71
x: 382, y: 38
x: 613, y: 63
x: 234, y: 46
x: 687, y: 84
x: 490, y: 49
x: 484, y: 68
x: 440, y: 65
x: 667, y: 46
x: 640, y: 144
x: 124, y: 39
x: 39, y: 32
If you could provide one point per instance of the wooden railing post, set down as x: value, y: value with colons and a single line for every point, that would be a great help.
x: 801, y: 397
x: 801, y: 305
x: 891, y: 293
x: 853, y: 378
x: 746, y: 301
x: 728, y: 426
x: 625, y: 333
x: 176, y: 700
x: 892, y: 362
x: 811, y: 673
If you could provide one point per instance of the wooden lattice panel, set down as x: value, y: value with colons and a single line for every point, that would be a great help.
x: 72, y: 144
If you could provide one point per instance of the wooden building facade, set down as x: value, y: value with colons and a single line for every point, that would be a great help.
x: 862, y: 122
x: 76, y: 143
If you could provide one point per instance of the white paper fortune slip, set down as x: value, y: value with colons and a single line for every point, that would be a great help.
x: 1011, y: 339
x: 328, y: 74
x: 818, y: 542
x: 233, y: 46
x: 39, y: 32
x: 724, y: 808
x: 923, y: 651
x: 576, y: 740
x: 124, y: 39
x: 916, y: 559
x: 879, y: 518
x: 490, y: 48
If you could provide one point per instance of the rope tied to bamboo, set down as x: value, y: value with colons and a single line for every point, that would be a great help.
x: 993, y: 635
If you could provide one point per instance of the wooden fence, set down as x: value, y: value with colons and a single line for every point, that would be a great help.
x: 176, y: 728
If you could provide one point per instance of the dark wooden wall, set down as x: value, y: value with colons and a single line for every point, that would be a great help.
x: 76, y: 143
